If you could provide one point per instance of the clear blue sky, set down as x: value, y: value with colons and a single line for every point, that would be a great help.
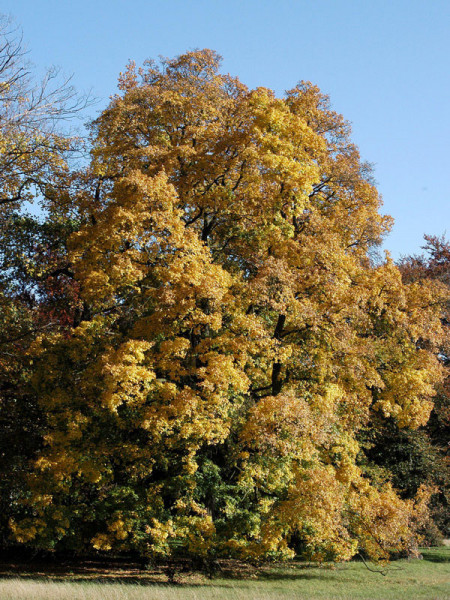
x: 384, y: 64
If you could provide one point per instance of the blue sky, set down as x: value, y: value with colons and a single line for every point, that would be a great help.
x: 384, y: 64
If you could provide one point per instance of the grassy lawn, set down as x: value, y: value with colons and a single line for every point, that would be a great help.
x: 427, y: 579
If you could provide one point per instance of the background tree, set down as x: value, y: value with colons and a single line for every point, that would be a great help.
x: 418, y: 457
x: 37, y: 292
x: 236, y: 336
x: 32, y: 149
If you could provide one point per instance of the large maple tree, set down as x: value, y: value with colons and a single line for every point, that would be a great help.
x: 236, y: 334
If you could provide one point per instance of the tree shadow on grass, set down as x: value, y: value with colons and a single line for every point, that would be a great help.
x: 181, y: 574
x: 437, y: 556
x: 227, y: 573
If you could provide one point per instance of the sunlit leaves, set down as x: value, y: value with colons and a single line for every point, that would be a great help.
x: 238, y: 336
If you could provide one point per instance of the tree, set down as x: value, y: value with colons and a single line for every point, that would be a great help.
x: 236, y: 336
x: 434, y: 265
x: 36, y: 290
x: 32, y: 149
x: 420, y: 457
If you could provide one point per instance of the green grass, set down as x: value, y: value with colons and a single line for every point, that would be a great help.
x: 427, y: 579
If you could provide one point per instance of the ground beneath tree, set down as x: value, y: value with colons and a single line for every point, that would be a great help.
x: 100, y: 579
x: 122, y: 570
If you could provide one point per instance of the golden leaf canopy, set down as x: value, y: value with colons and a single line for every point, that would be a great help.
x: 238, y: 335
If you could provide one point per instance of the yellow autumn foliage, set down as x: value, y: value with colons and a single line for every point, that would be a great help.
x: 238, y: 336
